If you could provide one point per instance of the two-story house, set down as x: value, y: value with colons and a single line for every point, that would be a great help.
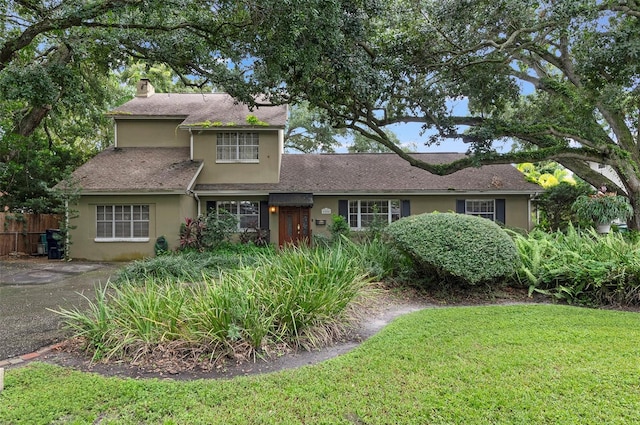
x: 181, y: 155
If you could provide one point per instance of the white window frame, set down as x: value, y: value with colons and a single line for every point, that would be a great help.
x: 235, y: 208
x: 137, y: 214
x: 485, y: 208
x: 355, y: 212
x: 237, y: 146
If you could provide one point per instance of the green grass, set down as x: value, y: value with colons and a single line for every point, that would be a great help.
x: 525, y: 364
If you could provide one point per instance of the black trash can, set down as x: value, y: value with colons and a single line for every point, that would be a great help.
x: 54, y: 244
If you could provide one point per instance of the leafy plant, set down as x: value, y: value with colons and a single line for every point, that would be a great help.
x: 555, y: 205
x: 469, y: 248
x: 602, y: 207
x: 339, y: 227
x: 580, y: 267
x: 161, y: 246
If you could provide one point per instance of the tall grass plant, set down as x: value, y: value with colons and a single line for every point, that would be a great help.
x: 299, y: 297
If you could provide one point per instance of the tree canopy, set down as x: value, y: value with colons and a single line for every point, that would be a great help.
x: 560, y: 77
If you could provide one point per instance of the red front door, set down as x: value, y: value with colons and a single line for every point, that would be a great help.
x: 295, y: 225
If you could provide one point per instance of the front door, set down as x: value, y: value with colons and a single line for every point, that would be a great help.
x: 294, y: 225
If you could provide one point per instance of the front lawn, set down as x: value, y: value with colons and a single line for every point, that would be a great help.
x: 522, y: 364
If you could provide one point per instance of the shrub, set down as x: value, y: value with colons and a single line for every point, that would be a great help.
x: 470, y: 248
x: 379, y: 259
x: 555, y: 203
x: 339, y: 227
x: 581, y: 267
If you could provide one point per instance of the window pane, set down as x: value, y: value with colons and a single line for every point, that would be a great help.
x: 364, y: 213
x: 104, y: 230
x: 237, y: 146
x: 141, y: 229
x: 482, y: 208
x: 117, y: 221
x: 123, y: 230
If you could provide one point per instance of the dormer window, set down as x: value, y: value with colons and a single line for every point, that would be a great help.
x: 237, y: 147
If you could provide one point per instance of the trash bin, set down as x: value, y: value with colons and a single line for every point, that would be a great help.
x: 54, y: 244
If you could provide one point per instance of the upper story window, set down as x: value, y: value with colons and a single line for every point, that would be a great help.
x: 363, y: 213
x: 481, y: 207
x: 122, y: 222
x: 237, y: 147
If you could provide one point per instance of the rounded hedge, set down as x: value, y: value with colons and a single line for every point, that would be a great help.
x: 471, y: 248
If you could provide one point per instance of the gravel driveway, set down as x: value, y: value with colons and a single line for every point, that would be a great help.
x: 28, y: 288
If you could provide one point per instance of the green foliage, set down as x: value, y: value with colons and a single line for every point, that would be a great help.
x: 554, y: 205
x: 219, y: 227
x: 380, y: 260
x: 602, y: 208
x: 211, y: 231
x: 547, y: 174
x: 190, y: 266
x: 581, y: 267
x: 339, y: 228
x: 297, y: 297
x: 468, y: 248
x: 253, y: 120
x: 161, y: 247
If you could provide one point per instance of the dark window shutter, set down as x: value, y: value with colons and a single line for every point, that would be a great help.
x: 211, y: 206
x: 460, y: 206
x: 405, y: 208
x: 501, y: 211
x: 264, y: 215
x: 343, y: 208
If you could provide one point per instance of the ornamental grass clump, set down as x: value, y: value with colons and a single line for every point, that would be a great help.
x: 448, y: 245
x: 300, y: 297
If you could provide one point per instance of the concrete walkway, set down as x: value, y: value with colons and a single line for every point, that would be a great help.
x: 29, y: 288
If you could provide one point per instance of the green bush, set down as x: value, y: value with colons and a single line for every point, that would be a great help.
x: 581, y: 267
x: 379, y: 259
x: 190, y: 266
x: 469, y: 248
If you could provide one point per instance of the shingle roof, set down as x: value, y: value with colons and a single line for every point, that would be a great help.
x: 137, y: 169
x: 200, y: 109
x: 382, y: 173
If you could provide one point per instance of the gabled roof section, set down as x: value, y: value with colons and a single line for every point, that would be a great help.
x: 138, y: 170
x: 202, y: 110
x: 380, y: 173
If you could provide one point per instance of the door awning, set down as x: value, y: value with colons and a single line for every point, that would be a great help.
x: 291, y: 199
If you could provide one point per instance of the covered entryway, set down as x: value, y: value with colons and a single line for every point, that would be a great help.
x: 294, y: 217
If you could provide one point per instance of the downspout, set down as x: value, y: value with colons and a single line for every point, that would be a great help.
x: 115, y: 133
x: 191, y: 145
x: 195, y: 195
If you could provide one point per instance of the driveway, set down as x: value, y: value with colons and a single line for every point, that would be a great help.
x: 28, y: 288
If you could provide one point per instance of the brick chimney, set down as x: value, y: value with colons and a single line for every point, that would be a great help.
x: 144, y: 88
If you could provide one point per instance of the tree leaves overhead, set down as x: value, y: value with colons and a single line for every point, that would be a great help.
x: 559, y: 77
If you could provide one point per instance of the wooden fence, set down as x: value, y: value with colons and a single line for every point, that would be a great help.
x: 20, y: 233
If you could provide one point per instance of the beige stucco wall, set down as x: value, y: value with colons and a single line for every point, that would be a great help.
x: 517, y: 208
x: 267, y: 170
x: 166, y: 212
x: 141, y: 133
